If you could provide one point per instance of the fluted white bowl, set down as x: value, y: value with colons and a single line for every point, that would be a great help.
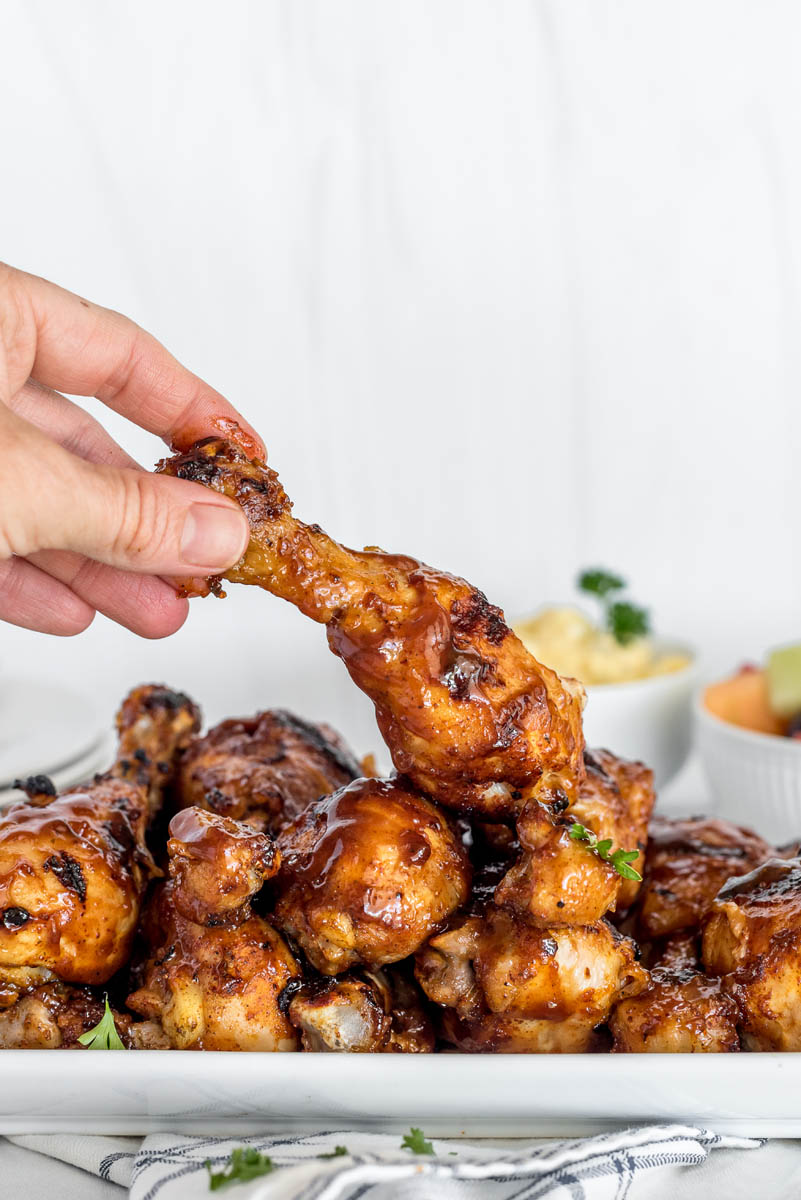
x: 755, y: 777
x: 646, y: 719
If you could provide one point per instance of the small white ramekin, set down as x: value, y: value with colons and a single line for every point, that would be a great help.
x: 755, y: 777
x: 646, y: 719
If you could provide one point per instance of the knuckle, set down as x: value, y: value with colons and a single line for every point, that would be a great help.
x: 17, y: 326
x: 19, y: 533
x: 86, y: 439
x: 144, y: 520
x: 10, y: 583
x: 87, y: 575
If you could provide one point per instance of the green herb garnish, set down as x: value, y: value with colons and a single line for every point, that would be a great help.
x: 337, y: 1152
x: 619, y: 859
x: 104, y: 1036
x: 600, y: 583
x: 245, y: 1163
x: 625, y: 621
x: 415, y: 1141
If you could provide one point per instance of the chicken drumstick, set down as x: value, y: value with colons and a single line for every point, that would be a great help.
x: 467, y: 713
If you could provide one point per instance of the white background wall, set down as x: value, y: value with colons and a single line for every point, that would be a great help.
x: 513, y: 287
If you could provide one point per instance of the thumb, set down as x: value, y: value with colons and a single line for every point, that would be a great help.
x: 154, y: 524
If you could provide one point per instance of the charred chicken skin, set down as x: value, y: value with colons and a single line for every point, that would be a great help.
x: 154, y: 724
x: 688, y: 861
x: 216, y: 985
x: 467, y: 713
x: 368, y: 874
x: 73, y: 867
x: 265, y: 769
x: 752, y: 936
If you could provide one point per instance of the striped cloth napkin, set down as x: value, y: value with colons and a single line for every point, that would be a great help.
x: 372, y: 1166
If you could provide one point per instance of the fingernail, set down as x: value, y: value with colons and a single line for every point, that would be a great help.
x: 213, y: 537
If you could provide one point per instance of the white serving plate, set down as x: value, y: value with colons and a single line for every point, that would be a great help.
x: 136, y: 1092
x: 45, y: 729
x: 98, y: 758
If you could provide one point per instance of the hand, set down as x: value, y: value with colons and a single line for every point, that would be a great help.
x: 82, y: 527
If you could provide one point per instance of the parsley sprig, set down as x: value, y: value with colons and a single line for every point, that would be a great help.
x: 244, y: 1163
x: 625, y: 621
x: 415, y: 1141
x: 337, y: 1152
x: 619, y: 859
x: 600, y: 583
x: 104, y: 1036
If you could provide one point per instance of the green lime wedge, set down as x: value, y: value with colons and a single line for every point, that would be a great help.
x: 784, y: 680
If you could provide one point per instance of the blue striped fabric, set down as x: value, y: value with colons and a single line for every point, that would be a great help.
x: 169, y: 1167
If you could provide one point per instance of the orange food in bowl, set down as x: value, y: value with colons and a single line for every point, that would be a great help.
x: 744, y: 700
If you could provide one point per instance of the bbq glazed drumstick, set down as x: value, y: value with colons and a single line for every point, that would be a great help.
x: 467, y: 713
x: 379, y: 1012
x: 217, y: 865
x: 752, y: 936
x: 73, y: 867
x: 682, y: 1011
x: 368, y: 874
x: 265, y: 769
x: 216, y: 985
x: 508, y: 987
x: 687, y: 862
x: 559, y: 879
x: 154, y: 724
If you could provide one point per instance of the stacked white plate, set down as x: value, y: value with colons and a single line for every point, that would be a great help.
x: 47, y: 729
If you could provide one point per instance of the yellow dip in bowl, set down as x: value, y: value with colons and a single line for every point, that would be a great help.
x: 566, y: 640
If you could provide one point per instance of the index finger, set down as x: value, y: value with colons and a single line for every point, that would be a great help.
x: 67, y: 343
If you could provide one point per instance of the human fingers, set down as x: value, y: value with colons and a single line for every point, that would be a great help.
x: 134, y: 520
x: 65, y: 342
x: 31, y: 599
x: 144, y: 604
x: 68, y: 424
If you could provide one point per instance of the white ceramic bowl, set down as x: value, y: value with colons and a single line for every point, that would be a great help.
x: 647, y: 719
x: 755, y: 777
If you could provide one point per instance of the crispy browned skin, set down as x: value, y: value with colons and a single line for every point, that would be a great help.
x: 558, y: 879
x: 378, y: 1012
x: 682, y: 1011
x: 73, y: 867
x: 154, y: 724
x: 687, y: 862
x: 509, y: 987
x: 265, y: 769
x: 467, y: 713
x: 752, y: 935
x: 215, y: 988
x: 616, y: 801
x: 217, y: 865
x: 368, y: 874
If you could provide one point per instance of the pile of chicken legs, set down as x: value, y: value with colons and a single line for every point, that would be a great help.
x: 257, y: 888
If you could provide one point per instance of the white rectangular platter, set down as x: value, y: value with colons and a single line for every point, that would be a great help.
x: 136, y: 1092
